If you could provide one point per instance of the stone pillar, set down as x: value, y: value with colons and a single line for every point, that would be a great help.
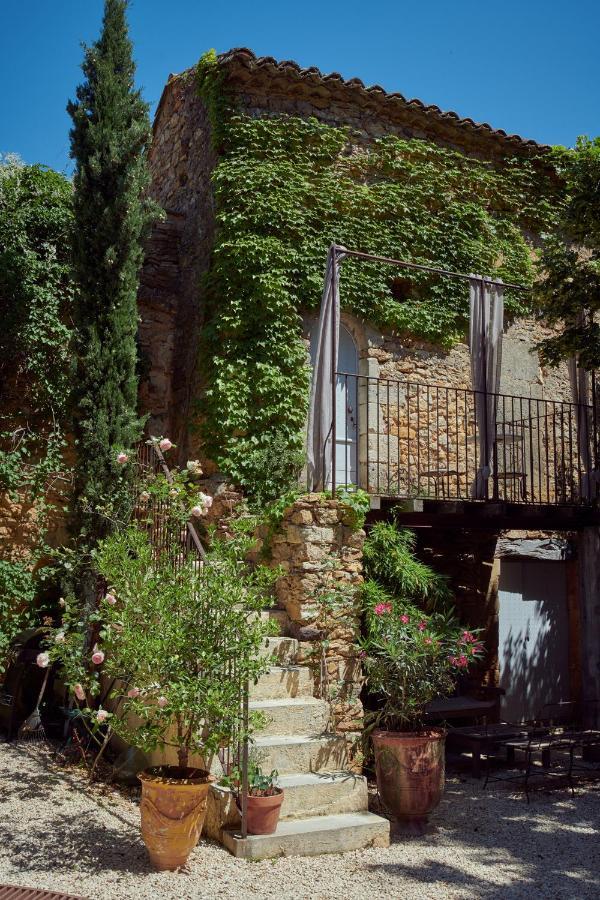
x: 589, y: 605
x: 321, y: 556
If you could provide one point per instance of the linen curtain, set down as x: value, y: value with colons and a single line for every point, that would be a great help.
x: 486, y: 321
x: 320, y: 414
x: 580, y: 394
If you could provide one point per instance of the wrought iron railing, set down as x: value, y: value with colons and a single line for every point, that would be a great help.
x: 409, y: 439
x: 182, y: 544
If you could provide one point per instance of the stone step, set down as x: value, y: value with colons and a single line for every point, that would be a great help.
x: 298, y: 754
x: 299, y: 715
x: 283, y: 681
x: 313, y: 836
x: 305, y: 796
x: 313, y: 794
x: 283, y: 650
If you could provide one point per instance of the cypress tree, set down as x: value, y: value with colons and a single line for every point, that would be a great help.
x: 109, y: 139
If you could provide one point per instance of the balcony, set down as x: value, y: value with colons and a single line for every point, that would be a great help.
x: 408, y: 441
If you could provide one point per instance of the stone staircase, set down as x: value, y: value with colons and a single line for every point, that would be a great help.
x: 325, y: 807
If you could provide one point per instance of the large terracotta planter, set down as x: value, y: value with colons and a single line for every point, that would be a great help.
x: 173, y: 809
x: 263, y: 813
x: 410, y: 770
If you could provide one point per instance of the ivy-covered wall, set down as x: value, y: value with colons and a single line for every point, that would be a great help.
x: 286, y: 184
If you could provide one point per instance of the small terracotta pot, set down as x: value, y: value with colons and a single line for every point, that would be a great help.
x: 263, y: 813
x: 410, y: 770
x: 173, y: 810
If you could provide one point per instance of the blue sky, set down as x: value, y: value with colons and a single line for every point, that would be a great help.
x: 528, y: 66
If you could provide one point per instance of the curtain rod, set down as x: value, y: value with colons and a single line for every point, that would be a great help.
x: 410, y: 265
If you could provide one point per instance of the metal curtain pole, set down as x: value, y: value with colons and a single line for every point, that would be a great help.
x: 410, y: 265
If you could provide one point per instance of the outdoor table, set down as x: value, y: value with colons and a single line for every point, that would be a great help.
x: 482, y: 738
x: 459, y: 708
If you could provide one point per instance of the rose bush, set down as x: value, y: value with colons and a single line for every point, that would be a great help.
x: 177, y: 644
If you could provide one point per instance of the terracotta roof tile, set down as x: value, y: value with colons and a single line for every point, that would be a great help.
x: 249, y: 60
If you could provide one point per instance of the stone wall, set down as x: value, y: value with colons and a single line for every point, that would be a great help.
x: 321, y: 558
x: 181, y: 160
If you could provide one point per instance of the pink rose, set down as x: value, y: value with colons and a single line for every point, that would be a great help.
x: 197, y: 511
x: 111, y: 599
x: 405, y: 619
x: 162, y: 702
x: 42, y: 660
x: 165, y: 444
x: 122, y: 458
x: 101, y: 715
x: 422, y: 626
x: 97, y: 657
x: 134, y: 692
x: 382, y: 608
x: 79, y: 691
x: 206, y: 500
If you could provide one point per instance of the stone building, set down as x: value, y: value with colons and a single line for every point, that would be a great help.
x: 522, y: 561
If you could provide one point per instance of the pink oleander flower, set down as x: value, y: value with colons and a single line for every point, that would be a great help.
x: 422, y: 626
x: 405, y: 619
x: 165, y: 444
x: 79, y: 691
x: 453, y: 660
x: 382, y: 608
x: 467, y: 637
x: 463, y: 661
x: 111, y: 599
x: 102, y: 715
x: 162, y: 702
x: 97, y: 657
x: 59, y: 637
x: 122, y: 458
x: 42, y: 660
x: 362, y: 654
x: 134, y: 692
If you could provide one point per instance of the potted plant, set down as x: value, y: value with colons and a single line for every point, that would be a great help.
x: 177, y: 643
x: 410, y: 658
x: 264, y: 801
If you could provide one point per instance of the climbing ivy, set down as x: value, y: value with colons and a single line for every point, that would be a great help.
x: 285, y: 189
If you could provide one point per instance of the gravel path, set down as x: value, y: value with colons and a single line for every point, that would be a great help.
x: 57, y: 833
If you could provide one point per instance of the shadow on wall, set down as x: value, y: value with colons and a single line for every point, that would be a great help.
x: 533, y: 637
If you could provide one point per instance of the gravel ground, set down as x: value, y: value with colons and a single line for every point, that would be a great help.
x: 58, y: 833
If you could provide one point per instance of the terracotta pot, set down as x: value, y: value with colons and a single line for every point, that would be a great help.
x: 410, y: 770
x: 173, y: 809
x: 263, y: 813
